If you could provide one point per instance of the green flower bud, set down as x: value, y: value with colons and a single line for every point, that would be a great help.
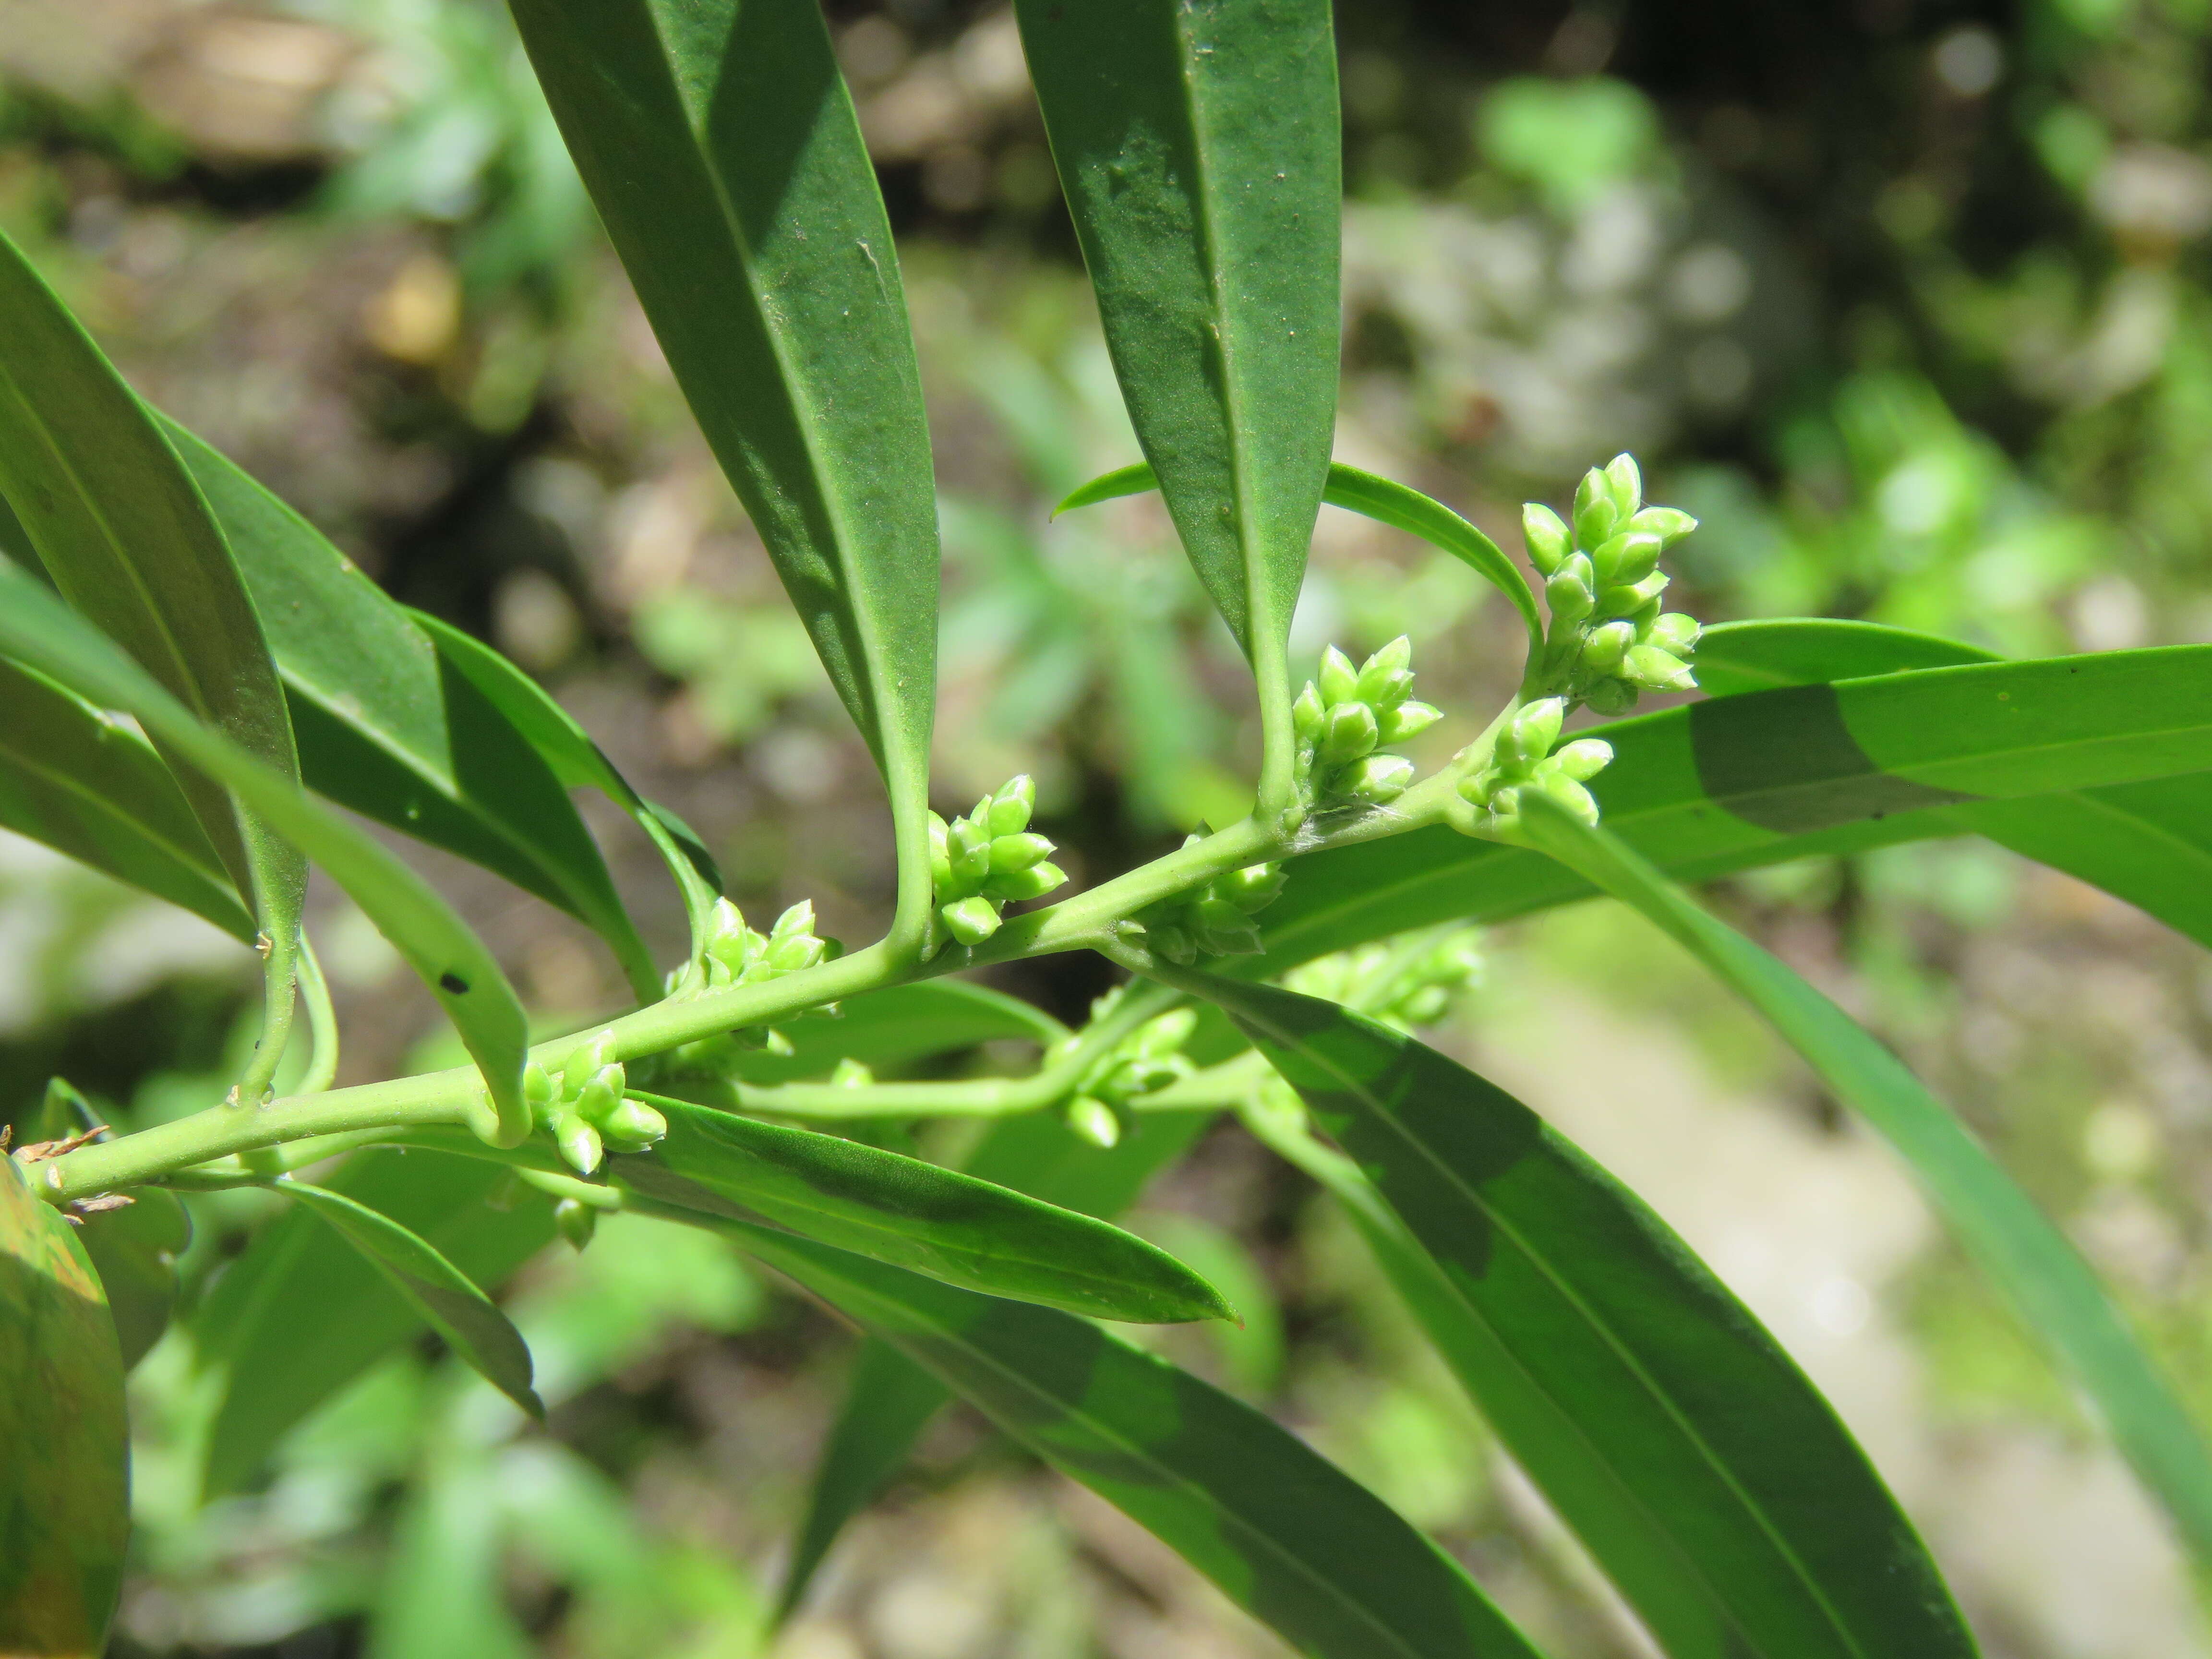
x: 1648, y: 665
x: 1406, y: 721
x: 799, y: 918
x: 1173, y: 943
x: 1547, y: 539
x: 1605, y: 647
x: 1350, y: 733
x: 1375, y: 781
x: 1307, y: 714
x: 1669, y: 524
x: 585, y: 1060
x: 1017, y: 886
x: 773, y: 1041
x: 1167, y: 1034
x: 1094, y: 1120
x: 971, y: 857
x: 1584, y: 758
x: 789, y: 955
x: 1012, y: 805
x: 1596, y: 513
x: 1010, y: 853
x: 1625, y: 484
x: 600, y: 1093
x: 537, y: 1087
x: 971, y: 921
x: 633, y: 1126
x: 1610, y: 696
x: 1627, y: 599
x: 1572, y: 795
x: 1339, y: 680
x: 1625, y: 558
x: 1385, y: 678
x: 1422, y: 1007
x: 1569, y: 590
x: 1222, y: 930
x: 1140, y: 1075
x: 1476, y: 788
x: 728, y: 921
x: 579, y: 1142
x: 1251, y: 889
x: 1674, y: 633
x: 1534, y: 729
x: 576, y: 1220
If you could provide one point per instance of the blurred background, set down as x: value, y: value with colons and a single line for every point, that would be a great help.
x: 1906, y: 300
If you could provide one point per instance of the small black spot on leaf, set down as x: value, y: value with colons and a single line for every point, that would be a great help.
x: 453, y: 984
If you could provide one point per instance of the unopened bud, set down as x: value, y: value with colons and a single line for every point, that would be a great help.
x: 577, y: 1221
x: 633, y: 1126
x: 1339, y: 680
x: 1534, y: 729
x: 1222, y: 930
x: 1610, y: 696
x: 1094, y: 1120
x: 1568, y: 591
x: 1406, y: 721
x: 1595, y: 514
x: 1377, y: 780
x: 1572, y: 795
x: 1017, y: 885
x: 798, y: 951
x: 1167, y: 1034
x: 1350, y: 733
x: 1174, y: 943
x: 1308, y: 713
x: 1251, y: 889
x: 579, y: 1143
x: 1012, y: 805
x: 1674, y: 633
x: 1385, y: 678
x: 1546, y: 538
x: 537, y: 1086
x: 1584, y: 758
x: 1669, y: 524
x: 851, y: 1074
x: 1624, y: 600
x: 971, y: 855
x: 1010, y: 852
x: 1625, y: 484
x: 1648, y: 665
x: 971, y: 921
x: 1625, y: 558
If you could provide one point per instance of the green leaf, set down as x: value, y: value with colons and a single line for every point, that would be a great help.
x: 1198, y: 148
x: 445, y: 1297
x: 2028, y: 1258
x: 1733, y: 657
x: 65, y: 1479
x: 1401, y: 507
x: 91, y: 787
x: 120, y: 527
x: 1287, y: 1536
x: 1741, y: 780
x: 718, y: 143
x: 916, y: 1215
x: 391, y: 722
x: 134, y: 1249
x: 1705, y: 1473
x: 451, y: 960
x: 891, y: 1398
x: 301, y: 1313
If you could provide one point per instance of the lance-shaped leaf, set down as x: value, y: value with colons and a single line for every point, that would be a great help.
x: 393, y: 725
x: 90, y: 785
x: 64, y: 1504
x: 901, y: 1210
x: 1733, y: 657
x: 891, y: 1398
x: 719, y: 144
x: 1198, y: 145
x: 134, y: 1249
x: 1401, y: 508
x: 1286, y: 1535
x: 1703, y: 1470
x: 301, y: 1313
x: 445, y: 1297
x: 2000, y: 1226
x: 39, y: 629
x: 122, y: 531
x: 1741, y: 780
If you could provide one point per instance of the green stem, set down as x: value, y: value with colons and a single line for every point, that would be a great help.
x: 322, y: 1024
x: 279, y: 972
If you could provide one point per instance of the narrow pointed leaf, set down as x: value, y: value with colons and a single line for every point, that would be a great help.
x: 2029, y: 1259
x: 134, y: 1251
x: 720, y: 145
x: 64, y: 1474
x: 90, y: 786
x: 1286, y: 1535
x: 122, y: 531
x: 1742, y: 781
x: 1696, y: 1461
x: 302, y: 1313
x: 37, y: 628
x: 891, y: 1398
x: 1198, y: 145
x: 1733, y: 657
x: 390, y: 721
x: 1397, y: 505
x: 914, y: 1214
x: 445, y: 1297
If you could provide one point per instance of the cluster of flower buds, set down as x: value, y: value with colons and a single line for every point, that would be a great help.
x: 987, y: 860
x: 1522, y: 759
x: 1346, y: 716
x: 1143, y: 1063
x: 1213, y: 920
x: 734, y: 954
x: 1609, y: 639
x: 1386, y: 983
x: 584, y: 1108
